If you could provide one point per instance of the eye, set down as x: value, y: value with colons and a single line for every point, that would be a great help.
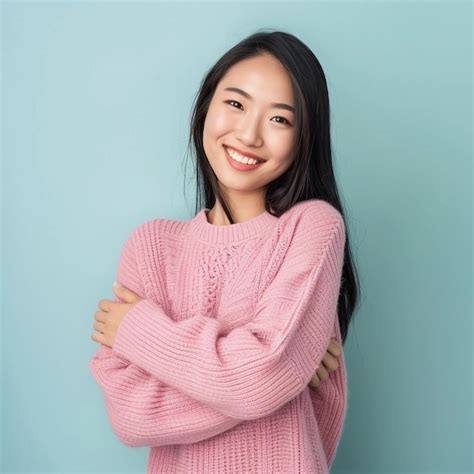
x: 234, y: 101
x: 286, y: 122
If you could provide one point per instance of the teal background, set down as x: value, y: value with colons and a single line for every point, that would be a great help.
x: 96, y: 101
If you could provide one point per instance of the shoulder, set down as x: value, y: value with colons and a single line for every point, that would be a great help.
x: 143, y: 229
x: 315, y: 207
x: 311, y: 228
x: 307, y: 232
x: 313, y: 215
x: 138, y: 234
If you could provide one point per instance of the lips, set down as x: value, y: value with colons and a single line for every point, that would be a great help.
x: 245, y: 153
x: 238, y: 165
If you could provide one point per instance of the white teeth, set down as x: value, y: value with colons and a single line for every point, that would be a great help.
x: 241, y: 159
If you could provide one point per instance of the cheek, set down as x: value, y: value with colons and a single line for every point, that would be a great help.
x: 283, y: 147
x: 215, y: 128
x: 217, y: 123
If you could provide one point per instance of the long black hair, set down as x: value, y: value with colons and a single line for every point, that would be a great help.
x: 311, y: 174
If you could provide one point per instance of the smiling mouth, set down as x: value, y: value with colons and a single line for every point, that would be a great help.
x: 234, y: 154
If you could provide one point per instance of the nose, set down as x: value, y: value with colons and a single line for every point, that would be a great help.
x: 249, y: 131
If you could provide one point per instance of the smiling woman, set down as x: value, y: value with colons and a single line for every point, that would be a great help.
x: 259, y: 125
x: 220, y: 352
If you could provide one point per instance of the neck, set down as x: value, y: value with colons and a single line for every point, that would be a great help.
x: 241, y: 212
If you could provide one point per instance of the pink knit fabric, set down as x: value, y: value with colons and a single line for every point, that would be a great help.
x: 211, y: 369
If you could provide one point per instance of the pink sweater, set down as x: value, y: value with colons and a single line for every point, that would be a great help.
x: 211, y: 369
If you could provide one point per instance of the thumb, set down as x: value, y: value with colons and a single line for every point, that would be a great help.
x: 127, y: 295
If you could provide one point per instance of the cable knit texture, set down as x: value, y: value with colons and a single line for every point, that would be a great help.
x: 211, y: 369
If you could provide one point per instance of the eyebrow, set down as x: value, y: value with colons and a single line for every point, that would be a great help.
x: 277, y: 105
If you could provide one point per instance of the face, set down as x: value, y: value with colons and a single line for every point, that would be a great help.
x: 252, y: 121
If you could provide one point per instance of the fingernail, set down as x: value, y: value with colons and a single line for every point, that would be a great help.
x: 117, y: 285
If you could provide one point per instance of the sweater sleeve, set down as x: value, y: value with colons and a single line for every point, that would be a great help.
x: 256, y: 368
x: 143, y: 410
x: 329, y: 402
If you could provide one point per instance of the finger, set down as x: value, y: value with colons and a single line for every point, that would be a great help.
x: 334, y: 348
x: 105, y: 305
x: 99, y: 327
x: 314, y: 382
x: 98, y: 337
x: 100, y: 316
x: 126, y: 294
x: 330, y: 362
x: 323, y: 374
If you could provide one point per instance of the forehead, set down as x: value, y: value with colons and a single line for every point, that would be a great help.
x: 262, y: 77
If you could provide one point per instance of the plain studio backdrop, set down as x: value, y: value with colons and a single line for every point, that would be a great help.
x: 96, y: 100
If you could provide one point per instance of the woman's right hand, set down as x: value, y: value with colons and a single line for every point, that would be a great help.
x: 328, y: 364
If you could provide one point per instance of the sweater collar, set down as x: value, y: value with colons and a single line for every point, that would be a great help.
x: 204, y: 230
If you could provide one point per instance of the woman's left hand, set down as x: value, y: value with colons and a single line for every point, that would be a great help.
x: 112, y: 312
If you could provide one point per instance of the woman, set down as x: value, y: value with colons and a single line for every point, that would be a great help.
x: 213, y: 352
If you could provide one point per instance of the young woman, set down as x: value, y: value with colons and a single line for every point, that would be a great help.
x: 217, y: 351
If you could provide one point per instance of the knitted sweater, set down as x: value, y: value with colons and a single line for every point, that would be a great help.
x: 211, y: 369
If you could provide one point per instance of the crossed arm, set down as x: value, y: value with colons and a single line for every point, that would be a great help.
x: 143, y: 410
